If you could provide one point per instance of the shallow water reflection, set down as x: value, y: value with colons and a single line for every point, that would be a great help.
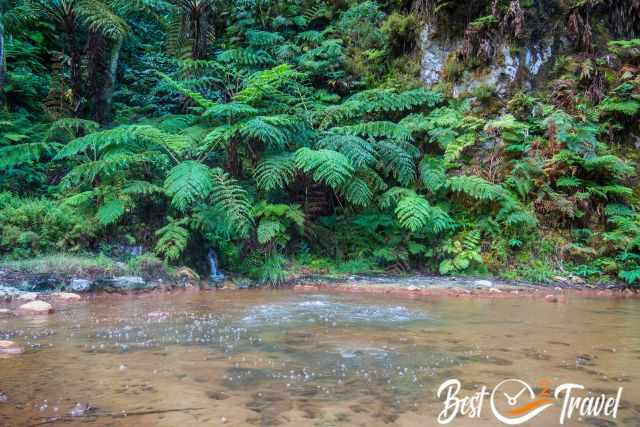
x: 277, y: 358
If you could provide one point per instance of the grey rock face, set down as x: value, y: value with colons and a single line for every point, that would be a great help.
x: 520, y: 66
x: 435, y: 52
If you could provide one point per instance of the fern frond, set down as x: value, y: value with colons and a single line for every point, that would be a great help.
x: 246, y: 57
x: 188, y: 183
x: 275, y: 172
x: 432, y: 174
x: 231, y: 110
x: 142, y: 188
x: 268, y: 229
x: 19, y: 154
x: 389, y: 100
x: 357, y: 192
x: 197, y: 97
x: 396, y: 161
x: 173, y: 239
x: 610, y: 163
x: 233, y: 200
x: 328, y: 166
x: 379, y: 129
x: 110, y: 211
x: 356, y: 149
x: 263, y: 38
x: 477, y: 188
x: 454, y: 149
x: 219, y: 137
x: 73, y: 127
x: 258, y: 128
x: 80, y: 199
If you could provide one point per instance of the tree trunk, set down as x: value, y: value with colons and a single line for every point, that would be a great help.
x: 103, y: 58
x: 76, y: 72
x: 112, y: 77
x: 3, y: 67
x: 200, y: 36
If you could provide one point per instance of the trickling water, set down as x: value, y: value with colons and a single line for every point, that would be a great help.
x: 275, y: 358
x: 215, y: 275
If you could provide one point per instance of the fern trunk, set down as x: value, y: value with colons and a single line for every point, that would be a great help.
x: 200, y: 35
x: 3, y: 65
x: 75, y: 64
x: 103, y: 64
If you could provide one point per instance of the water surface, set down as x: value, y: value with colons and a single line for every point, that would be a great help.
x: 268, y: 358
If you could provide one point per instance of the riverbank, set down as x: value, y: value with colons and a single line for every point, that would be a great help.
x: 47, y: 278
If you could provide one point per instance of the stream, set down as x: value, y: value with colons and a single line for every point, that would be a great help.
x: 269, y: 358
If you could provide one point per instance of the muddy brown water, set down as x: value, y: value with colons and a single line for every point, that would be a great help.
x: 270, y: 358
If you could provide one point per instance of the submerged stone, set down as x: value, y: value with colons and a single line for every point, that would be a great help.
x: 66, y: 296
x: 483, y: 283
x: 27, y: 297
x: 9, y: 348
x: 36, y: 307
x: 125, y: 283
x: 217, y: 395
x: 80, y: 285
x: 80, y: 409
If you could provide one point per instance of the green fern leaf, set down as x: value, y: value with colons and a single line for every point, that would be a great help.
x: 268, y: 229
x: 328, y: 166
x: 188, y: 183
x: 110, y: 211
x: 357, y: 192
x: 173, y: 239
x: 275, y: 172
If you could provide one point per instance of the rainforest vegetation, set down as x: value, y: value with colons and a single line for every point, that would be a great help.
x: 298, y: 135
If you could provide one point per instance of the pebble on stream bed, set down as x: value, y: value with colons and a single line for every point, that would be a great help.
x: 36, y: 307
x: 9, y: 348
x: 66, y: 297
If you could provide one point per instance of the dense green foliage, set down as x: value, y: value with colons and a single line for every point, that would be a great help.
x: 297, y: 133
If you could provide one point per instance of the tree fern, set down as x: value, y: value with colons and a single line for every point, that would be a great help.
x: 268, y: 83
x: 108, y: 167
x: 611, y: 164
x: 142, y: 188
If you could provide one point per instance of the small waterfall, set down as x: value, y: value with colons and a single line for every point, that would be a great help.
x: 215, y: 275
